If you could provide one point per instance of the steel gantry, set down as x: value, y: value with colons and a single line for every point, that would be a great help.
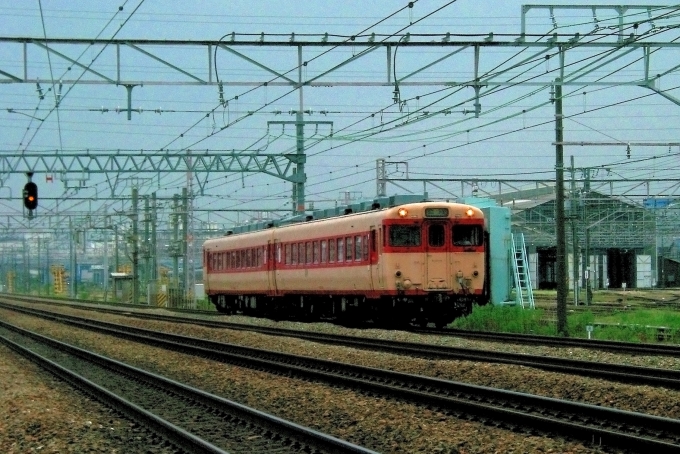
x: 130, y: 63
x: 120, y: 163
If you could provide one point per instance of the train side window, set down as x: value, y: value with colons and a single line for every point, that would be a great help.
x: 316, y: 252
x: 294, y: 256
x: 332, y: 251
x: 358, y: 248
x: 308, y: 252
x: 259, y: 256
x: 467, y: 235
x: 249, y: 258
x: 341, y: 249
x: 364, y: 249
x: 287, y: 254
x: 435, y: 235
x: 324, y: 251
x: 232, y: 260
x: 348, y: 249
x: 404, y: 235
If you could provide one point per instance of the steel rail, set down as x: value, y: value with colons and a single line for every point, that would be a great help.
x: 176, y: 435
x: 613, y: 372
x: 308, y: 440
x: 524, y: 339
x: 589, y: 423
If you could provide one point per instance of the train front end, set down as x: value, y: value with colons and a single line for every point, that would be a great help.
x: 434, y: 256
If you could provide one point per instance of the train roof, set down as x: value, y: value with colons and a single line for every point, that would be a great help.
x: 370, y: 205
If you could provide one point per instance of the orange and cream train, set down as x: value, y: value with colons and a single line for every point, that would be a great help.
x: 413, y: 263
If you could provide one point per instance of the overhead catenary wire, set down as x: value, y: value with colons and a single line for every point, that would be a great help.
x: 350, y: 169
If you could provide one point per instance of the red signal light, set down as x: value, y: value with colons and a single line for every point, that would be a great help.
x: 31, y: 196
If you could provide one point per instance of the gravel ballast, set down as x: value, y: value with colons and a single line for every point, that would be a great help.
x: 383, y: 425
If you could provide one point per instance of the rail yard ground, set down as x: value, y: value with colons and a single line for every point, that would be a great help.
x: 616, y: 298
x: 41, y: 415
x: 647, y: 315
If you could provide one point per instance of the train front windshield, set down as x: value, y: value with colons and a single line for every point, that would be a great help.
x: 467, y: 235
x: 404, y: 235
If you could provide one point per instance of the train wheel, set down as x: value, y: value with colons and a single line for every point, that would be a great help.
x: 220, y: 303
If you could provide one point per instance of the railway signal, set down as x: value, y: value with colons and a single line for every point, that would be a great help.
x: 30, y: 196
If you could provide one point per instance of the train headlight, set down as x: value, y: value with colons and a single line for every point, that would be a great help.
x: 469, y: 212
x: 402, y: 212
x: 407, y: 284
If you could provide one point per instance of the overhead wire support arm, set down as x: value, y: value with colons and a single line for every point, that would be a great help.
x: 182, y: 76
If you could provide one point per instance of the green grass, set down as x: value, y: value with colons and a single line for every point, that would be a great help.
x: 650, y: 317
x: 639, y: 325
x: 508, y: 319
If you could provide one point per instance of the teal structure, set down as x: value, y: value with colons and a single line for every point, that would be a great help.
x: 500, y: 248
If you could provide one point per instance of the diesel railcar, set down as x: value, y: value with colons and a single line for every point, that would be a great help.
x: 413, y: 263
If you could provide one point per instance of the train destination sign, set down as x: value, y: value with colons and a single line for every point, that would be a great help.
x: 436, y: 212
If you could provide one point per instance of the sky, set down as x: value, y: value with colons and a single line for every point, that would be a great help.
x: 431, y: 132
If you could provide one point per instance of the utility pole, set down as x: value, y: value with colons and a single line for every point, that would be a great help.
x: 175, y: 252
x: 40, y: 283
x: 72, y: 255
x: 135, y: 248
x: 559, y: 215
x: 107, y: 236
x: 27, y: 268
x: 573, y: 216
x: 299, y: 186
x: 185, y: 249
x: 154, y: 246
x: 586, y: 258
x: 146, y: 250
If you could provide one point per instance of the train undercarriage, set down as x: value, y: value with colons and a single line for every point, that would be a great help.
x: 395, y: 312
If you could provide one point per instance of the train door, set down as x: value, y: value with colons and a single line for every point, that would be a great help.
x: 375, y: 265
x: 436, y: 258
x: 273, y: 254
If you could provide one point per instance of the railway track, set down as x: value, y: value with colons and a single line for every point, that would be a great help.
x: 185, y: 416
x: 613, y: 372
x: 508, y: 409
x: 522, y: 339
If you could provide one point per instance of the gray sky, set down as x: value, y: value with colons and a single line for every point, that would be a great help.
x: 432, y: 129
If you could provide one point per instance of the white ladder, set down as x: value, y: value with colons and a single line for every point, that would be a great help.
x: 524, y: 294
